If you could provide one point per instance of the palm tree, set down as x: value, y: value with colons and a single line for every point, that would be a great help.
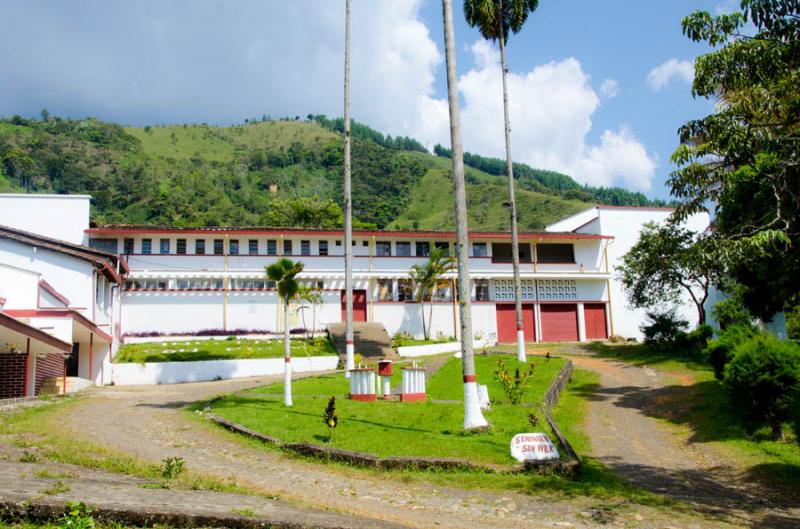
x: 473, y: 417
x: 348, y: 206
x: 494, y: 19
x: 283, y: 272
x: 311, y: 298
x: 428, y: 278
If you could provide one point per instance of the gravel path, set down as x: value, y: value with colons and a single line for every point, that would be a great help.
x: 149, y: 423
x: 661, y: 458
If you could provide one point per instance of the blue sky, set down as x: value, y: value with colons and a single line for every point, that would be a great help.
x: 584, y: 97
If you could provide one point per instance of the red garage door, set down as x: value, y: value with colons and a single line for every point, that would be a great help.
x: 507, y: 323
x: 559, y: 323
x: 359, y: 305
x: 595, y: 316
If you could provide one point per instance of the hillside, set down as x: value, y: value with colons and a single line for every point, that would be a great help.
x: 285, y: 173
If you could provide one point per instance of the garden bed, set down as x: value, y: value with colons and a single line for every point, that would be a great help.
x: 390, y: 429
x: 223, y: 349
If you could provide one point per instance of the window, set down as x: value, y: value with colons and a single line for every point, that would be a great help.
x: 272, y: 247
x: 443, y: 292
x: 107, y: 245
x: 501, y: 253
x: 323, y: 247
x: 481, y: 290
x: 219, y: 246
x: 385, y: 290
x: 248, y: 284
x: 479, y: 249
x: 314, y: 283
x: 199, y: 284
x: 402, y: 249
x: 132, y: 284
x: 163, y: 246
x: 200, y: 246
x: 233, y: 247
x: 128, y: 246
x: 252, y: 247
x: 365, y: 243
x: 147, y: 246
x: 405, y: 290
x: 305, y: 247
x: 555, y: 253
x: 287, y: 247
x: 423, y: 249
x: 181, y: 246
x: 383, y: 248
x: 338, y: 243
x: 443, y: 246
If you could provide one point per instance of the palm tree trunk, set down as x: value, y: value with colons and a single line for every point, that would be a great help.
x: 422, y: 311
x: 348, y: 206
x: 512, y: 201
x: 287, y: 357
x: 473, y: 417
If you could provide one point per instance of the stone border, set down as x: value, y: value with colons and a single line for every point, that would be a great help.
x: 350, y: 457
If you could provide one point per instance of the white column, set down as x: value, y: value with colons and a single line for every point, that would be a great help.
x: 537, y: 321
x: 32, y: 375
x: 581, y: 323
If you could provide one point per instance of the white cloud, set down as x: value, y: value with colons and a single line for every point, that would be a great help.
x: 551, y: 110
x: 609, y: 89
x: 660, y: 76
x: 727, y: 7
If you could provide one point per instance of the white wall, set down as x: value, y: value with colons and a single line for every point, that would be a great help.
x: 171, y: 311
x: 178, y: 372
x: 406, y: 317
x: 71, y: 277
x: 20, y: 287
x: 62, y: 217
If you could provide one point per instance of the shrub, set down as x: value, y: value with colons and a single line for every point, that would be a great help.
x: 76, y: 516
x: 719, y: 351
x: 513, y: 385
x: 730, y: 312
x: 330, y: 417
x: 694, y: 342
x: 763, y: 378
x: 663, y: 328
x: 171, y: 467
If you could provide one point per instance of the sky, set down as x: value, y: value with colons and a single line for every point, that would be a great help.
x: 597, y: 90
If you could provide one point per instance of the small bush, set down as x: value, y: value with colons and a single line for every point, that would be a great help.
x: 694, y: 342
x: 513, y: 385
x: 76, y: 516
x: 663, y: 329
x: 330, y: 417
x: 730, y: 312
x: 171, y: 467
x: 719, y: 351
x: 763, y: 378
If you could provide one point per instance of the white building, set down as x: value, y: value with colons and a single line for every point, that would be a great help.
x: 127, y: 280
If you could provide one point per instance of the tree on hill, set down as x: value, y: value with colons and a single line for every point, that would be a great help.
x: 743, y: 161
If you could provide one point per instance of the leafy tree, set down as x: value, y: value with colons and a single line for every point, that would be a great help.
x: 284, y: 272
x: 668, y: 261
x: 427, y: 279
x: 763, y: 378
x: 663, y: 328
x: 496, y: 19
x: 473, y: 417
x: 310, y: 297
x: 742, y: 161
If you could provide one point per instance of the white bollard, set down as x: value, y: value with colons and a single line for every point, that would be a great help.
x: 413, y: 388
x: 362, y: 384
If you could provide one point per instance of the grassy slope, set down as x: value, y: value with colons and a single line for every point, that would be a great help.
x: 700, y: 402
x: 431, y: 204
x: 190, y: 351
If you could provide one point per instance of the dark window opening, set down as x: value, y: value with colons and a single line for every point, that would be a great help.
x: 233, y: 247
x: 383, y: 248
x: 219, y: 246
x: 200, y: 246
x: 305, y: 247
x: 181, y: 246
x: 402, y: 249
x: 323, y: 247
x: 147, y: 246
x: 272, y: 247
x: 107, y: 245
x: 287, y: 247
x: 443, y: 246
x: 252, y: 247
x: 423, y: 249
x: 501, y: 253
x: 555, y: 253
x: 163, y: 246
x: 479, y: 249
x: 128, y: 246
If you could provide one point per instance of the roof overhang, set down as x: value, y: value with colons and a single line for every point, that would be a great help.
x: 20, y: 334
x: 81, y: 323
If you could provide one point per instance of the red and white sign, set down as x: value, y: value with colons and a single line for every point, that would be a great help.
x: 533, y: 447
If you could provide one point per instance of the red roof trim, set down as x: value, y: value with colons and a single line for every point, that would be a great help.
x: 138, y: 230
x: 44, y: 285
x: 7, y: 321
x: 61, y: 313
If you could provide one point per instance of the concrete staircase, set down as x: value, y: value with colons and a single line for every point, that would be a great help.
x: 371, y: 339
x: 55, y: 386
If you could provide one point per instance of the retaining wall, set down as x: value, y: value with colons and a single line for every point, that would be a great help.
x: 439, y: 348
x: 179, y: 372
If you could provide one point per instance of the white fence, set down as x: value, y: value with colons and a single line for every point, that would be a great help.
x: 440, y: 348
x: 179, y: 372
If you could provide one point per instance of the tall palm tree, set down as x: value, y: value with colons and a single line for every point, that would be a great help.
x: 348, y: 206
x: 284, y: 272
x: 494, y: 19
x: 473, y: 417
x: 428, y: 278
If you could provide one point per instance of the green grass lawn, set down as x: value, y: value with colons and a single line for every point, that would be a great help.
x: 225, y: 349
x: 391, y: 428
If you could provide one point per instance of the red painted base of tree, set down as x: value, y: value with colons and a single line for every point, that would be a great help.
x: 413, y: 397
x: 370, y: 397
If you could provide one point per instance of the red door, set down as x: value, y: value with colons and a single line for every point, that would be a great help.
x: 595, y: 316
x: 559, y: 322
x: 359, y: 305
x: 507, y: 323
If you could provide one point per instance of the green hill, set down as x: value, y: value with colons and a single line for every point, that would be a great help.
x: 279, y: 173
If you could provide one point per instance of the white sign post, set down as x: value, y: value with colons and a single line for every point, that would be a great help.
x: 533, y: 447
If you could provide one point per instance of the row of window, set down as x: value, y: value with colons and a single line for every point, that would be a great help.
x: 385, y: 291
x: 501, y: 252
